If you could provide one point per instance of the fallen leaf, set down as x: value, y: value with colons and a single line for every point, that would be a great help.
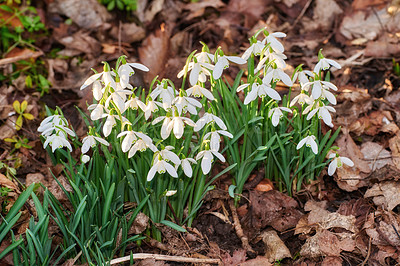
x: 82, y: 42
x: 130, y: 32
x: 238, y: 256
x: 87, y: 14
x: 385, y: 46
x: 323, y: 243
x: 325, y: 12
x: 273, y: 208
x: 5, y: 182
x: 154, y: 52
x: 275, y: 249
x: 258, y: 261
x: 349, y: 148
x: 265, y: 185
x: 394, y: 145
x: 376, y: 156
x: 385, y: 194
x: 362, y: 4
x: 197, y: 9
x: 332, y: 261
x: 140, y: 223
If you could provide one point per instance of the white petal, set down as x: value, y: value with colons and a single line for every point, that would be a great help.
x: 206, y: 162
x: 219, y: 67
x: 151, y: 173
x: 90, y: 80
x: 170, y: 169
x: 301, y: 143
x: 332, y: 167
x: 236, y: 59
x: 347, y: 161
x: 139, y: 66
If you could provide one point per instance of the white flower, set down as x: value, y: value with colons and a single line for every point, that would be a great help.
x: 324, y: 64
x: 207, y: 118
x: 168, y: 155
x: 131, y: 137
x: 187, y: 168
x: 125, y: 71
x: 90, y: 141
x: 55, y: 123
x: 274, y: 43
x: 119, y: 97
x: 276, y: 75
x: 215, y: 138
x: 323, y: 113
x: 85, y: 158
x: 166, y: 95
x: 223, y: 63
x: 302, y: 98
x: 184, y: 104
x: 302, y: 77
x: 134, y: 103
x: 97, y: 90
x: 161, y: 167
x: 109, y: 124
x: 141, y: 145
x: 310, y: 142
x: 176, y: 123
x: 261, y: 91
x: 338, y: 162
x: 151, y: 107
x: 97, y: 111
x: 57, y: 142
x: 170, y: 193
x: 208, y: 158
x: 277, y: 58
x: 277, y: 114
x: 255, y: 49
x: 318, y: 87
x: 198, y: 72
x: 199, y: 91
x: 106, y: 78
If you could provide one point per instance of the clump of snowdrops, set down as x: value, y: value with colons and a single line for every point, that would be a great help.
x: 163, y: 142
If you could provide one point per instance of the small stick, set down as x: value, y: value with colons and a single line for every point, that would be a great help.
x: 142, y: 256
x: 24, y: 56
x: 238, y: 228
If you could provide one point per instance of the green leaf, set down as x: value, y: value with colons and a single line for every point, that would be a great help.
x: 17, y: 106
x: 28, y: 116
x: 173, y: 226
x: 24, y: 104
x: 10, y: 247
x: 231, y: 191
x: 18, y: 123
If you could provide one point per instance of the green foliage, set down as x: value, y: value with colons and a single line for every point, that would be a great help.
x: 19, y: 142
x: 20, y: 109
x: 396, y: 68
x: 127, y: 5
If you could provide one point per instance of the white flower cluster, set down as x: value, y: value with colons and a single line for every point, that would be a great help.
x: 315, y: 93
x: 55, y: 130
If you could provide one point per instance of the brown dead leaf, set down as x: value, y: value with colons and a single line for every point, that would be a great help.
x: 265, y: 185
x: 5, y: 182
x: 238, y: 256
x: 385, y: 252
x: 130, y: 32
x: 154, y: 52
x: 81, y: 42
x: 273, y: 208
x: 258, y: 261
x: 349, y: 148
x: 385, y: 46
x: 332, y: 261
x: 325, y: 12
x: 251, y: 10
x: 376, y: 156
x: 87, y: 14
x: 323, y: 243
x: 197, y: 9
x: 394, y: 145
x: 385, y: 194
x: 362, y: 4
x: 358, y: 208
x: 275, y: 249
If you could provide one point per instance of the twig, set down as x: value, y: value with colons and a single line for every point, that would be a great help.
x: 303, y: 11
x: 238, y: 228
x: 368, y: 254
x: 142, y: 256
x: 14, y: 59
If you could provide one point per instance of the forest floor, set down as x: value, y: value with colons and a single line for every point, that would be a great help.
x: 352, y: 218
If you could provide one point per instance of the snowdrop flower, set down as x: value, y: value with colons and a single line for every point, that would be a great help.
x: 56, y: 142
x: 126, y: 70
x: 134, y: 103
x: 183, y: 104
x: 261, y: 90
x: 301, y: 76
x: 175, y: 122
x: 207, y: 118
x: 255, y: 49
x: 319, y: 87
x: 106, y: 78
x: 302, y: 98
x: 187, y: 168
x: 207, y: 157
x: 141, y: 145
x: 151, y: 107
x: 215, y: 138
x: 199, y: 91
x: 90, y: 141
x: 274, y: 43
x: 54, y: 123
x: 109, y: 124
x: 165, y: 93
x: 97, y: 90
x: 170, y: 193
x: 168, y: 155
x: 131, y: 137
x: 323, y: 113
x: 310, y: 142
x: 223, y: 63
x: 97, y: 111
x: 277, y: 58
x: 275, y: 75
x: 85, y: 158
x: 277, y: 114
x: 324, y: 64
x: 338, y: 162
x: 198, y: 72
x: 161, y: 167
x: 119, y: 97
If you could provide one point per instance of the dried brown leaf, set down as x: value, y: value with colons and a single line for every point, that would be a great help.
x: 385, y: 194
x: 197, y: 9
x: 154, y: 52
x: 376, y: 156
x: 258, y: 261
x: 394, y: 145
x: 275, y: 248
x: 238, y: 256
x: 332, y: 261
x: 325, y: 12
